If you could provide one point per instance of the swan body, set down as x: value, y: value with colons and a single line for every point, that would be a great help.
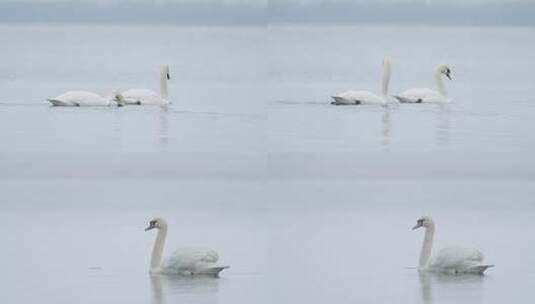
x: 142, y: 96
x: 149, y: 97
x: 193, y: 260
x: 366, y: 97
x: 85, y: 99
x: 356, y: 98
x: 184, y: 260
x: 425, y: 95
x: 452, y: 260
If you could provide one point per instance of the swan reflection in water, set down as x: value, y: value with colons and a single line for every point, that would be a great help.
x: 385, y: 127
x: 163, y: 130
x: 182, y: 286
x: 442, y: 125
x: 467, y: 286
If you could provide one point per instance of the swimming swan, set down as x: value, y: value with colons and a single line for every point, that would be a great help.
x: 182, y: 261
x: 428, y: 95
x: 366, y: 97
x: 149, y: 97
x: 86, y: 99
x: 447, y: 260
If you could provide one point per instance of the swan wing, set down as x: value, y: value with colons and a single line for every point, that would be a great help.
x: 356, y: 97
x: 459, y: 260
x: 142, y: 96
x: 79, y: 98
x: 420, y: 95
x: 194, y: 260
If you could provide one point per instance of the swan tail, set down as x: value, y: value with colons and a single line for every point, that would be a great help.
x: 338, y: 101
x: 214, y: 270
x: 59, y: 103
x: 479, y: 269
x: 56, y: 103
x: 398, y: 98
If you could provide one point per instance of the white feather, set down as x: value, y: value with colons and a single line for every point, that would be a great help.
x: 366, y: 97
x: 451, y: 260
x: 81, y: 99
x: 184, y: 260
x: 149, y: 97
x: 458, y: 260
x: 192, y: 260
x: 425, y: 95
x: 357, y: 97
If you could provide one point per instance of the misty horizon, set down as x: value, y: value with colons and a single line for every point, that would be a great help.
x: 260, y: 13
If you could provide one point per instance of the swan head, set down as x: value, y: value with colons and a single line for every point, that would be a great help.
x: 156, y: 223
x: 424, y: 221
x: 165, y: 71
x: 445, y: 70
x: 118, y: 98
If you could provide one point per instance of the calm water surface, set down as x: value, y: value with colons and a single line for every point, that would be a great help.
x: 307, y: 202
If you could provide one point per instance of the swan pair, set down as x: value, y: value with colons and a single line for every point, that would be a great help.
x: 129, y: 97
x: 183, y: 261
x: 419, y: 95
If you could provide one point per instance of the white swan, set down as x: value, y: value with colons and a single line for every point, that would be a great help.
x: 366, y: 97
x: 428, y: 95
x: 86, y: 99
x: 448, y: 260
x: 149, y: 97
x: 182, y: 261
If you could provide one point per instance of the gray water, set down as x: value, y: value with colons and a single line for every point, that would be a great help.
x: 307, y: 202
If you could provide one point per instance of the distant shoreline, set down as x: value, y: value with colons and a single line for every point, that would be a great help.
x: 257, y: 15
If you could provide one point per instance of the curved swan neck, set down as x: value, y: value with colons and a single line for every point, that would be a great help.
x: 163, y: 82
x: 386, y: 77
x: 157, y: 251
x: 440, y: 83
x: 427, y: 245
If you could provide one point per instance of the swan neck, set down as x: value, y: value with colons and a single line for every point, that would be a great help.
x: 157, y: 251
x: 440, y: 83
x: 386, y: 79
x: 163, y: 83
x: 427, y: 246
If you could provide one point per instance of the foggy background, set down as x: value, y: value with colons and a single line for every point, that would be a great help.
x: 260, y: 12
x: 307, y: 202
